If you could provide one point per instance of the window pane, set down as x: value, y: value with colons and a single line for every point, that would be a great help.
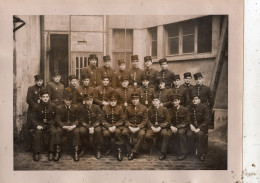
x: 85, y: 61
x: 77, y: 62
x: 81, y: 62
x: 128, y: 59
x: 77, y: 73
x: 188, y: 44
x: 173, y: 30
x: 153, y: 33
x: 119, y: 38
x: 154, y: 48
x: 173, y: 46
x: 188, y: 28
x: 205, y: 34
x: 129, y: 39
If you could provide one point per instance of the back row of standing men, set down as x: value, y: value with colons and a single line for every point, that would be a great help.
x: 103, y: 86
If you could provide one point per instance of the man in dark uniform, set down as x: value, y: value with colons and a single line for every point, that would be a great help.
x: 72, y: 90
x: 102, y: 92
x: 159, y: 121
x: 135, y: 123
x: 135, y: 72
x: 151, y: 72
x: 55, y: 89
x: 124, y: 93
x: 33, y: 98
x: 185, y: 86
x: 145, y: 92
x: 90, y: 116
x: 67, y: 123
x: 165, y: 73
x: 107, y: 70
x: 113, y: 124
x: 43, y: 121
x: 163, y: 93
x: 176, y: 89
x: 204, y: 92
x: 122, y: 72
x: 199, y: 117
x: 93, y: 71
x: 84, y: 88
x: 179, y: 125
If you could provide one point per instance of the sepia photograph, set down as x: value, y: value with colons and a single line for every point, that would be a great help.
x: 121, y: 92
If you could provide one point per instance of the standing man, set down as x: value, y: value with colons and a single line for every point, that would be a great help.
x: 93, y: 71
x: 33, y: 98
x: 113, y: 123
x: 124, y: 93
x: 135, y: 72
x: 202, y: 91
x: 55, y: 89
x: 151, y: 72
x: 43, y: 120
x: 165, y: 73
x: 67, y: 123
x: 84, y: 88
x: 107, y: 70
x: 135, y: 123
x: 176, y: 89
x: 90, y: 116
x: 179, y: 125
x: 199, y: 116
x: 71, y: 90
x: 145, y: 92
x: 186, y: 86
x: 159, y: 121
x: 123, y: 72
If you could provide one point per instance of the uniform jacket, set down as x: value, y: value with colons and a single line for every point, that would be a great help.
x: 167, y: 75
x: 124, y: 95
x: 95, y: 75
x: 165, y: 97
x: 102, y: 93
x: 199, y: 116
x: 66, y: 116
x: 152, y: 73
x: 44, y: 114
x: 146, y: 95
x: 119, y: 74
x: 136, y: 116
x: 90, y: 116
x: 180, y: 117
x: 186, y: 87
x: 113, y: 116
x: 73, y: 92
x: 158, y: 117
x: 135, y: 76
x: 110, y: 73
x: 179, y: 91
x: 56, y: 92
x: 84, y: 90
x: 33, y: 96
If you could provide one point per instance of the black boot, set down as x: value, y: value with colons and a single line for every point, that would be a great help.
x: 82, y: 152
x: 119, y: 155
x: 76, y: 153
x: 36, y: 157
x: 50, y: 156
x: 57, y: 154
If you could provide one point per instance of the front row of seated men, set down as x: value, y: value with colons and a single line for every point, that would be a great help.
x: 130, y: 125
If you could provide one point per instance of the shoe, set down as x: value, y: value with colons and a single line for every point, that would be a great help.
x: 131, y: 156
x: 98, y: 155
x: 82, y: 152
x: 128, y: 154
x: 202, y: 157
x: 50, y: 156
x: 181, y: 157
x: 36, y: 157
x: 57, y: 154
x: 107, y: 152
x: 162, y: 157
x: 76, y: 153
x: 119, y: 155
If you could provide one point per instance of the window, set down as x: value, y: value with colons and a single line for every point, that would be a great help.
x: 81, y: 62
x: 189, y: 37
x: 153, y: 35
x: 122, y: 45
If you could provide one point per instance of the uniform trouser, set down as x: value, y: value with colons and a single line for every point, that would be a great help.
x: 182, y: 139
x: 28, y: 126
x: 117, y: 134
x: 73, y: 136
x: 164, y: 135
x: 198, y: 140
x: 95, y: 140
x: 127, y: 135
x: 38, y: 137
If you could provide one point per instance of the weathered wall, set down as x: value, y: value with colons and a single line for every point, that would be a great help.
x: 26, y: 64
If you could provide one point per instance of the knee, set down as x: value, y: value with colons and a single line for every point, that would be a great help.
x: 98, y: 130
x: 201, y: 133
x: 181, y: 132
x: 106, y: 133
x: 59, y: 131
x: 82, y: 131
x: 141, y: 133
x: 38, y: 132
x: 190, y: 133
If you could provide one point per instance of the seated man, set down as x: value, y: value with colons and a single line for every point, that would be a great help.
x: 159, y: 121
x: 164, y: 93
x: 199, y: 116
x: 179, y: 125
x: 136, y: 120
x: 113, y: 121
x: 43, y: 122
x: 67, y: 123
x: 90, y: 116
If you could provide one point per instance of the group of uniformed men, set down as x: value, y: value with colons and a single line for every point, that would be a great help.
x: 131, y: 106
